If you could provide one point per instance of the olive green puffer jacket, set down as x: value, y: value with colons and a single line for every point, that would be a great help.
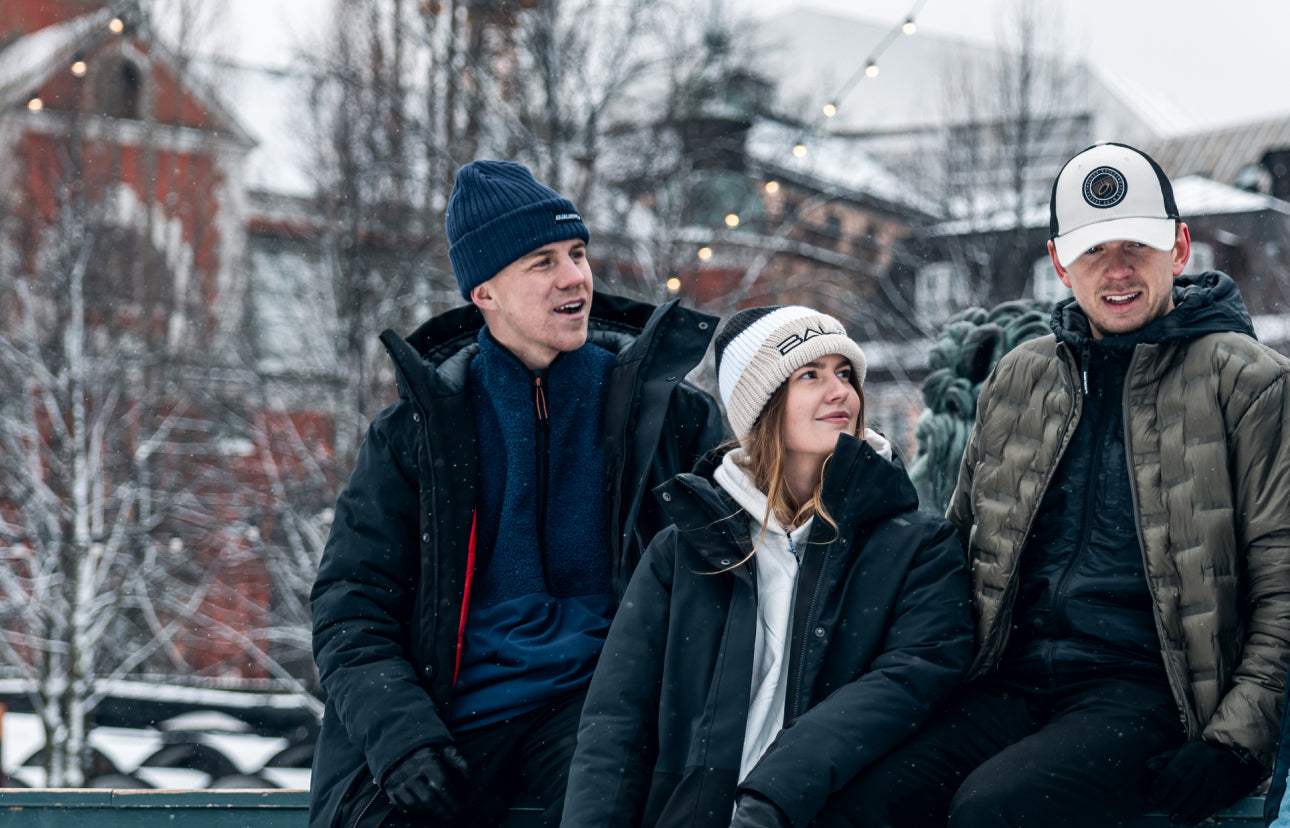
x: 1206, y: 412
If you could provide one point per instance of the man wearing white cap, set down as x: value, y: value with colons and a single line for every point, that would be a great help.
x: 1123, y: 499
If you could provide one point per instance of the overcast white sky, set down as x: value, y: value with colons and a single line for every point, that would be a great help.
x: 1212, y: 61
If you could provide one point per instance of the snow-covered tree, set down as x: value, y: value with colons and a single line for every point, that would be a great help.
x: 408, y: 92
x: 1012, y: 120
x: 131, y: 537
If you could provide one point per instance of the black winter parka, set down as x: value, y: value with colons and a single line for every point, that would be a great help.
x: 881, y: 633
x: 390, y: 597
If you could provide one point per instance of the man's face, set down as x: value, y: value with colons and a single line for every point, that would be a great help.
x: 1122, y: 286
x: 538, y: 305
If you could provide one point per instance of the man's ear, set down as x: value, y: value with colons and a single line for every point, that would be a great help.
x: 1182, y: 248
x: 1061, y: 271
x: 482, y: 296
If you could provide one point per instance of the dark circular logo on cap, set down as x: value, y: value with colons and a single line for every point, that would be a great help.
x: 1104, y: 187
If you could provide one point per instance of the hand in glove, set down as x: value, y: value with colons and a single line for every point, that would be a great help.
x: 428, y: 780
x: 755, y: 811
x: 1200, y: 778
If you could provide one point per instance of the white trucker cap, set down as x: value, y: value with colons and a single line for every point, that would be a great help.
x: 1111, y: 192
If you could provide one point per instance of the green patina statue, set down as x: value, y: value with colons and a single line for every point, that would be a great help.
x: 965, y: 353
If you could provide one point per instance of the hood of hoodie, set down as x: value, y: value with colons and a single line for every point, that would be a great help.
x: 1203, y: 304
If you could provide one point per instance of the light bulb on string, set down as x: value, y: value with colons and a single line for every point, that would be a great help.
x: 732, y: 220
x: 117, y: 25
x: 871, y: 71
x: 799, y: 151
x: 830, y: 110
x: 705, y: 253
x: 35, y: 104
x: 908, y: 26
x: 772, y: 187
x: 673, y: 284
x: 79, y: 68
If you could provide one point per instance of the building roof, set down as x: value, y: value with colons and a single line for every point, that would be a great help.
x: 272, y: 106
x: 28, y: 61
x: 1222, y: 154
x: 832, y: 163
x: 1196, y: 196
x: 31, y: 60
x: 815, y: 56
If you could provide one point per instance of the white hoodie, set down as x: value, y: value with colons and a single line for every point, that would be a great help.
x: 776, y: 565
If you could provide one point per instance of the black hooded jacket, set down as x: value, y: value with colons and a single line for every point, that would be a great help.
x: 393, y: 583
x: 881, y: 633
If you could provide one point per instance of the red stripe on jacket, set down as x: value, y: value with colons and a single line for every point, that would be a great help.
x: 465, y: 599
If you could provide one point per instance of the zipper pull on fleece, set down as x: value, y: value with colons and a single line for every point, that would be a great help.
x: 539, y: 400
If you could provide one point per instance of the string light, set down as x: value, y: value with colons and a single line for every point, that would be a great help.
x: 117, y: 25
x: 869, y: 69
x: 705, y: 253
x: 732, y: 220
x: 674, y: 284
x: 35, y: 104
x: 772, y: 187
x: 79, y: 68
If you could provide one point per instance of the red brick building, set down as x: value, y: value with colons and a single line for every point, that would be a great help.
x: 122, y: 258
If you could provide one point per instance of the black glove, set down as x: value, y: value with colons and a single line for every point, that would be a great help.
x: 755, y: 811
x: 1200, y: 778
x: 428, y: 780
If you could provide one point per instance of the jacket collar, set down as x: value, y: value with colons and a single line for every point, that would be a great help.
x: 446, y: 343
x: 614, y: 323
x: 861, y: 488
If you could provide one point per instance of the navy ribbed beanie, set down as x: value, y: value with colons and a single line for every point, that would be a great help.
x: 497, y: 213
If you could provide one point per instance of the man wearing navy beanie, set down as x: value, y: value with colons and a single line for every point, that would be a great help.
x: 493, y: 517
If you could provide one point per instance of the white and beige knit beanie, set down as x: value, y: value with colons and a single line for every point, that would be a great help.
x: 759, y: 348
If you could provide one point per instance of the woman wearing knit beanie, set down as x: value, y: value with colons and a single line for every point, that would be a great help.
x: 800, y: 619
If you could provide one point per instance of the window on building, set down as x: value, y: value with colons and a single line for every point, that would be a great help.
x: 939, y: 292
x: 119, y: 89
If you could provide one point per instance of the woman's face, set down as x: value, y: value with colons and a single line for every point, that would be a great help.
x: 820, y: 404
